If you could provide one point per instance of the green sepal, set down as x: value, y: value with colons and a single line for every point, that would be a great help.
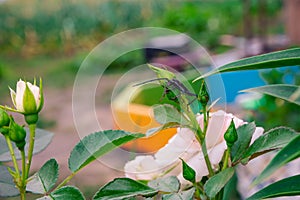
x: 31, y: 119
x: 4, y: 130
x: 4, y: 118
x: 29, y: 104
x: 41, y: 96
x: 188, y: 173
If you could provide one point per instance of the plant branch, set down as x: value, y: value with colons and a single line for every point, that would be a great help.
x: 32, y: 128
x: 226, y: 159
x: 66, y: 180
x: 23, y: 167
x: 13, y: 157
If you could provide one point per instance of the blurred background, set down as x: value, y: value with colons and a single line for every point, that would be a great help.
x: 50, y: 39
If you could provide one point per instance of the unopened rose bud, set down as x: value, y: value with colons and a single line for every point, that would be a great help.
x: 203, y: 96
x: 4, y: 118
x: 231, y: 135
x: 17, y: 134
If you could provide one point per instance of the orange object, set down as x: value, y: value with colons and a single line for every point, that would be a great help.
x: 134, y: 117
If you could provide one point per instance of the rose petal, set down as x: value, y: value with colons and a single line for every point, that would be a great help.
x: 143, y: 168
x: 19, y: 95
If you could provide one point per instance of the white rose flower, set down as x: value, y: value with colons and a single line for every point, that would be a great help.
x: 185, y: 145
x: 142, y: 168
x: 28, y: 98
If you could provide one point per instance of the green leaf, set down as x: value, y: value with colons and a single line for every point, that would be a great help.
x: 283, y: 58
x: 245, y: 133
x: 217, y: 182
x: 273, y: 139
x: 165, y: 184
x: 67, y: 192
x: 230, y: 189
x: 285, y: 187
x: 44, y: 180
x: 97, y: 144
x: 183, y: 195
x: 290, y: 152
x: 152, y: 131
x: 7, y: 185
x: 283, y: 91
x: 42, y: 140
x: 188, y: 172
x: 167, y: 113
x: 121, y: 188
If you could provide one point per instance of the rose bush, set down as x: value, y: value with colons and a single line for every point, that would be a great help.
x: 184, y: 145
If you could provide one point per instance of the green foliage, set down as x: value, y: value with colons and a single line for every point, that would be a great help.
x: 273, y: 139
x: 165, y: 184
x: 282, y: 91
x: 283, y: 58
x: 97, y: 144
x: 188, y: 173
x: 167, y: 113
x: 42, y: 140
x: 270, y: 108
x: 231, y: 190
x: 216, y: 183
x: 290, y: 152
x: 44, y: 180
x: 122, y: 188
x: 186, y: 195
x: 52, y: 26
x: 67, y: 192
x: 285, y: 187
x: 245, y: 133
x: 151, y: 131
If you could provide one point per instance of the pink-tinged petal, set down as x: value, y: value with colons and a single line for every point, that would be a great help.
x: 13, y: 96
x: 258, y: 132
x: 180, y: 145
x: 218, y: 124
x: 216, y: 153
x: 19, y: 95
x: 197, y: 162
x: 142, y: 168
